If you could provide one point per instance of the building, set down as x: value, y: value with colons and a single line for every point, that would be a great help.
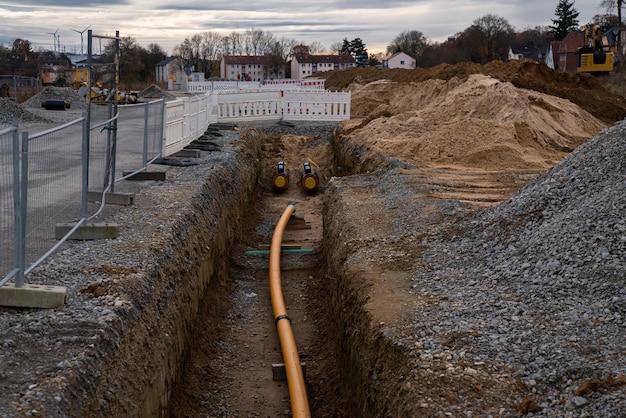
x: 303, y: 66
x: 400, y: 60
x: 551, y: 58
x: 251, y: 67
x: 167, y: 69
x: 531, y: 51
x: 566, y: 57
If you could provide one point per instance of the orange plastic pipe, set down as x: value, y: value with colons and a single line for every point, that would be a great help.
x: 293, y: 368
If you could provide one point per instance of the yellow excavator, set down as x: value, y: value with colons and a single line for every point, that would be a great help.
x: 595, y: 55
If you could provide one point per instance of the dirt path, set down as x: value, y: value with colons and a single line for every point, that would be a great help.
x: 230, y: 372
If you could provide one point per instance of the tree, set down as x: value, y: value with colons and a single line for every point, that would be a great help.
x: 356, y: 48
x: 611, y: 5
x: 412, y: 43
x: 317, y: 48
x: 299, y: 50
x: 495, y: 36
x: 132, y: 59
x: 566, y: 21
x: 21, y: 46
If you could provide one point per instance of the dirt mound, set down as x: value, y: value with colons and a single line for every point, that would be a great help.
x: 584, y: 90
x: 154, y: 91
x: 474, y: 122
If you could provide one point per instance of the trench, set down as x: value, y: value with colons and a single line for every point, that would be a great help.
x: 234, y: 367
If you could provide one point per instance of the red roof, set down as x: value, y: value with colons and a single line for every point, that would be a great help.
x: 316, y: 59
x: 247, y: 59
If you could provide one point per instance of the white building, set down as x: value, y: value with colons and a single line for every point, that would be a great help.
x: 303, y: 66
x: 251, y: 68
x: 400, y: 60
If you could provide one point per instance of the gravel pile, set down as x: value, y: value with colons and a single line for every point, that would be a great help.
x: 66, y: 94
x: 535, y: 286
x: 11, y: 112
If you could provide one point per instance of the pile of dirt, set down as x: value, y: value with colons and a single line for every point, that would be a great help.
x: 154, y: 91
x: 473, y: 122
x: 582, y: 89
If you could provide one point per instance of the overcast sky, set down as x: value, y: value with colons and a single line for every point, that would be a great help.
x: 169, y: 22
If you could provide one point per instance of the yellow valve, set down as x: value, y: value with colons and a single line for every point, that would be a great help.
x: 280, y: 179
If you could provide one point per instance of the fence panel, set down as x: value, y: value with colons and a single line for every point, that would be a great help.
x: 329, y: 106
x: 52, y: 185
x: 174, y: 140
x: 249, y: 106
x: 9, y: 193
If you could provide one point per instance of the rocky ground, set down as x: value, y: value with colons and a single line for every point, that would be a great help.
x: 474, y: 246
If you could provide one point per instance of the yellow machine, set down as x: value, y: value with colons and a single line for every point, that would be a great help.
x: 595, y: 56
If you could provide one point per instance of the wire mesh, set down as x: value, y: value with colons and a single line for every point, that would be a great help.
x: 8, y: 196
x: 52, y: 168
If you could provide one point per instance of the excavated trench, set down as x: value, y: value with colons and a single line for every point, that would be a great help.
x: 189, y: 330
x: 235, y: 366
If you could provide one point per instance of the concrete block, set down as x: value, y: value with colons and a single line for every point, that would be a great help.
x: 188, y: 153
x: 32, y: 296
x: 88, y: 231
x: 122, y: 199
x: 279, y: 373
x: 146, y: 175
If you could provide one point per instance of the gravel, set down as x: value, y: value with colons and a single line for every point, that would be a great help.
x: 536, y: 284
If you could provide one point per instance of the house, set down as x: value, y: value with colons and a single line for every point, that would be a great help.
x: 527, y: 51
x: 303, y: 66
x: 168, y: 68
x: 400, y: 60
x: 566, y: 57
x: 251, y: 67
x: 551, y: 58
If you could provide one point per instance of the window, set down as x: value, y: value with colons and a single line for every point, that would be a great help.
x: 401, y: 62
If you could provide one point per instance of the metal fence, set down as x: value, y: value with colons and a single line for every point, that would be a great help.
x: 9, y: 192
x: 50, y: 178
x: 46, y: 178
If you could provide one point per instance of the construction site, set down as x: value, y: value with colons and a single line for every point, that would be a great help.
x: 456, y: 249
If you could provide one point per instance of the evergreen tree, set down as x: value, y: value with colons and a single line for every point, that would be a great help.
x: 566, y: 21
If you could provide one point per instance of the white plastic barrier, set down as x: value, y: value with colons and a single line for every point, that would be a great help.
x: 327, y: 106
x: 249, y: 106
x: 211, y: 86
x: 186, y: 119
x: 174, y: 127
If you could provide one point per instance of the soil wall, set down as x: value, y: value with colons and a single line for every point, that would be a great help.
x: 119, y: 344
x: 149, y: 359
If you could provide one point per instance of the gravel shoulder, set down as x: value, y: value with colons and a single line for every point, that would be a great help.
x: 514, y: 308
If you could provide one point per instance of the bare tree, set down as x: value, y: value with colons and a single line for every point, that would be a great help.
x: 211, y: 50
x: 336, y: 48
x: 412, y: 43
x: 317, y: 48
x: 253, y: 41
x: 496, y: 33
x: 611, y: 5
x: 232, y: 44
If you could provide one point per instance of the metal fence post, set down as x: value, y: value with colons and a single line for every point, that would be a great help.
x: 23, y: 197
x: 144, y: 160
x: 17, y: 207
x: 85, y: 165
